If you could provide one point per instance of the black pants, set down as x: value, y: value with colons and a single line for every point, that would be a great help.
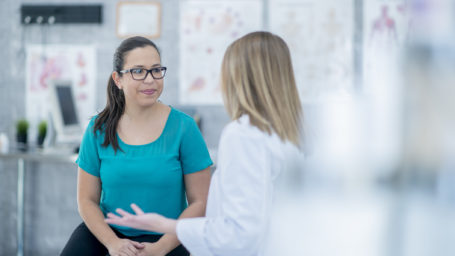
x: 83, y: 242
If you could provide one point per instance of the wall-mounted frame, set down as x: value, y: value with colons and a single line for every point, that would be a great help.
x: 138, y: 19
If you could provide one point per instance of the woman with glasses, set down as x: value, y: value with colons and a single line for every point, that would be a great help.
x: 138, y: 150
x: 263, y: 139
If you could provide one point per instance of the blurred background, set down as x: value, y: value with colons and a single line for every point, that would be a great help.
x: 375, y: 77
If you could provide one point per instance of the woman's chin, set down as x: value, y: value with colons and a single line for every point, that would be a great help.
x: 148, y: 103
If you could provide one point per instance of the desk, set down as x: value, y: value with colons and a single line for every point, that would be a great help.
x: 32, y: 156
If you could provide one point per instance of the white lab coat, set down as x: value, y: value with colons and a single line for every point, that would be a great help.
x: 240, y: 195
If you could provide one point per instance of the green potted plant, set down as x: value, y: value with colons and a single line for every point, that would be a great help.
x: 42, y: 130
x: 21, y: 133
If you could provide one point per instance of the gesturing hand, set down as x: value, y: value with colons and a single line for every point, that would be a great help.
x: 145, y: 221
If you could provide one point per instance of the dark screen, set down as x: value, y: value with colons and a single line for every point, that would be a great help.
x: 65, y: 100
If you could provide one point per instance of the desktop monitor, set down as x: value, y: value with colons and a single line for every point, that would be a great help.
x: 64, y: 114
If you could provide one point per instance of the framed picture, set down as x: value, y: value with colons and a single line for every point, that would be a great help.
x: 138, y: 19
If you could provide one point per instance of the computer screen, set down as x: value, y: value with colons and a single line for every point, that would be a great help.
x: 67, y: 106
x: 64, y: 111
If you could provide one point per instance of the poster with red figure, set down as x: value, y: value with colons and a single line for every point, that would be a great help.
x: 75, y: 63
x: 387, y: 27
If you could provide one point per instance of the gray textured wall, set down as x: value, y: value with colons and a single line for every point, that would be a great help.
x: 50, y: 188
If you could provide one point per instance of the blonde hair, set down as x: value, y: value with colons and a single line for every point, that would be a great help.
x: 257, y: 79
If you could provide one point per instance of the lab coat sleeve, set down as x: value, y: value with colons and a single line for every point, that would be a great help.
x: 244, y: 181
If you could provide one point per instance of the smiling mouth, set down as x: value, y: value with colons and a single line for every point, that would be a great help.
x: 148, y: 92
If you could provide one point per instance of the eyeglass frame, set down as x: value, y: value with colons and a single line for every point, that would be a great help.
x: 146, y: 74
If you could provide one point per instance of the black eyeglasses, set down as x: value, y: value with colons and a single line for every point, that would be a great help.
x: 141, y: 73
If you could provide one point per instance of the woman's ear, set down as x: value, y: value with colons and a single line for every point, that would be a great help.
x: 116, y: 78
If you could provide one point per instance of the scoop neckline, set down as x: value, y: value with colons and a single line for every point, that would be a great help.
x: 152, y: 142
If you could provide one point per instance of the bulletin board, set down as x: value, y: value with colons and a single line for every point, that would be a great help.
x: 206, y: 29
x: 138, y: 19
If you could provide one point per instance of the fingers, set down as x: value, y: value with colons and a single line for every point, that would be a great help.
x: 138, y: 245
x: 131, y: 249
x: 128, y: 253
x: 127, y: 247
x: 124, y: 253
x: 122, y: 212
x: 136, y: 209
x: 112, y: 221
x: 112, y: 216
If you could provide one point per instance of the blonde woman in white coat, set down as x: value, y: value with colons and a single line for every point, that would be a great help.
x: 262, y: 100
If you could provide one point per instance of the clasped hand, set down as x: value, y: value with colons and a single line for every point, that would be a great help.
x: 126, y: 247
x: 140, y: 220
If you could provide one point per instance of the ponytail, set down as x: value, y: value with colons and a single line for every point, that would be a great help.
x: 108, y: 119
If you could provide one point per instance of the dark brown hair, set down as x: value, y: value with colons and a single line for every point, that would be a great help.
x: 108, y: 119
